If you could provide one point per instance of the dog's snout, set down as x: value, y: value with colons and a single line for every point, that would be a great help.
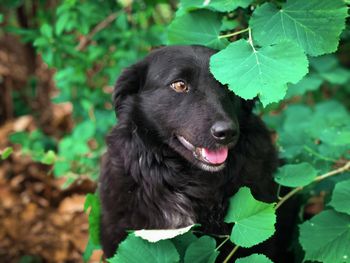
x: 223, y: 132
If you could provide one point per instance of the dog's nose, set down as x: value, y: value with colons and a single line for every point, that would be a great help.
x: 223, y: 132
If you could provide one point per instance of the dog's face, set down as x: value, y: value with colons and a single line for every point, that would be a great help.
x: 174, y: 97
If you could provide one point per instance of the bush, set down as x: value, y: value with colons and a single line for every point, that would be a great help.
x: 281, y: 52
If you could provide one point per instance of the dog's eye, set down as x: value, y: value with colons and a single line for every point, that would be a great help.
x: 179, y: 86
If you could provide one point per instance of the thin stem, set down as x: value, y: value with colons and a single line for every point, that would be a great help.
x: 334, y: 172
x: 311, y: 151
x: 317, y: 179
x: 231, y: 254
x: 287, y: 196
x: 250, y: 40
x: 235, y: 33
x: 103, y: 24
x: 222, y: 243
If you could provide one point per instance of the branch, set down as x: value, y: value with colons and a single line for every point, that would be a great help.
x: 231, y: 254
x: 85, y: 40
x: 294, y: 191
x: 316, y: 180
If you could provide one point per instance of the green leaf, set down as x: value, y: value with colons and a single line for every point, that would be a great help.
x: 182, y: 242
x: 326, y: 237
x: 264, y: 72
x: 315, y: 24
x: 341, y: 197
x: 49, y: 158
x: 1, y: 18
x: 335, y: 136
x: 255, y: 258
x: 201, y: 251
x: 154, y: 235
x: 92, y: 201
x: 324, y: 63
x: 294, y: 175
x: 84, y: 130
x: 201, y: 27
x: 61, y: 23
x: 309, y: 83
x: 254, y: 220
x: 136, y: 250
x: 6, y: 153
x: 89, y: 249
x: 46, y: 30
x: 337, y: 76
x: 217, y: 5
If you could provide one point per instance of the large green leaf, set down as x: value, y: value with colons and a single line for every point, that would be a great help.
x: 136, y: 250
x: 201, y: 251
x: 218, y: 5
x: 200, y: 27
x: 341, y: 197
x: 255, y: 258
x: 265, y: 72
x: 314, y: 24
x: 294, y: 175
x: 254, y: 220
x: 326, y: 237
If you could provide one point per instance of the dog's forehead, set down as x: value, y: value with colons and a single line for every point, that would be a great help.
x: 179, y: 59
x: 196, y: 55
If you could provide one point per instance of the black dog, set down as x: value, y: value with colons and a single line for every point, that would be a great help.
x: 183, y: 146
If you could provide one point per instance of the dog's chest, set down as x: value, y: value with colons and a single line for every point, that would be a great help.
x: 181, y: 197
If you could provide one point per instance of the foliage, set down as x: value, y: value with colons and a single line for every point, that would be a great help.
x: 340, y: 198
x: 255, y: 258
x: 6, y: 153
x: 278, y: 51
x: 294, y: 175
x: 265, y: 71
x: 254, y: 220
x: 136, y: 250
x: 92, y: 202
x: 326, y: 237
x: 86, y: 67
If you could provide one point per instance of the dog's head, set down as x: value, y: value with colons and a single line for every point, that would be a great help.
x: 172, y: 96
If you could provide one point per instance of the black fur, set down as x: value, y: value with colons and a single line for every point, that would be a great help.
x: 148, y: 179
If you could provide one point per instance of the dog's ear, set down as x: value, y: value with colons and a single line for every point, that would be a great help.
x: 129, y: 82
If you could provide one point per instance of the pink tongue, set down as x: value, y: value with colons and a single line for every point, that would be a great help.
x: 215, y: 156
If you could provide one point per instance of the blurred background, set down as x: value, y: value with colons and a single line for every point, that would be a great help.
x: 58, y: 63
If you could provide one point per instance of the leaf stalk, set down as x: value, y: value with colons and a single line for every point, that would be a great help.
x: 234, y: 33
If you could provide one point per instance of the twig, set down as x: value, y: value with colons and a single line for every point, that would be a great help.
x: 222, y: 243
x: 103, y: 24
x: 311, y: 151
x: 294, y: 191
x: 317, y: 179
x: 231, y: 254
x: 235, y: 33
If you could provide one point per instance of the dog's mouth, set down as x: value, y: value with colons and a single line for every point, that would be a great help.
x: 210, y: 160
